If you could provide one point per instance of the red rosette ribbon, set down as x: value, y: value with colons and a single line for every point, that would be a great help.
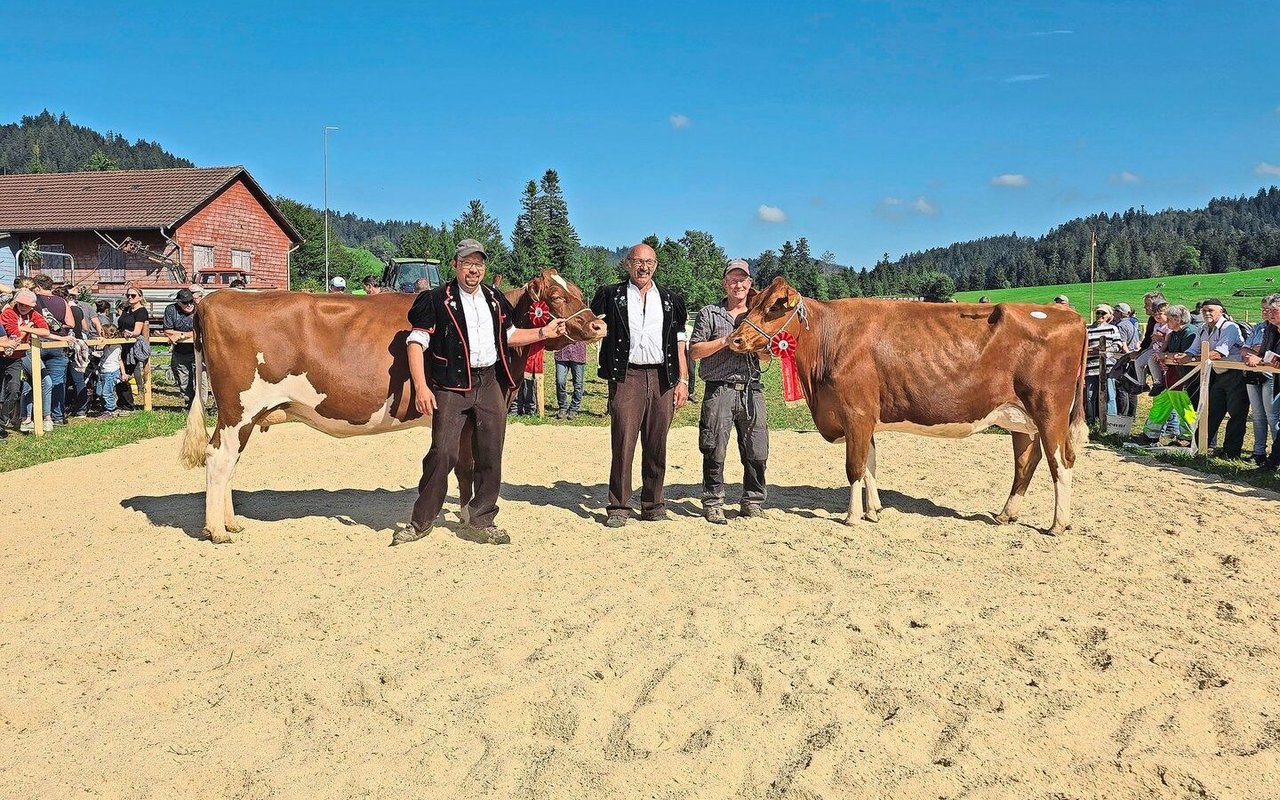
x: 783, y: 345
x: 539, y: 314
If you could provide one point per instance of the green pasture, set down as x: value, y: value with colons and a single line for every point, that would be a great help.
x: 1177, y: 289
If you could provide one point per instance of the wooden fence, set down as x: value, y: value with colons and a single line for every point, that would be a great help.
x: 37, y: 348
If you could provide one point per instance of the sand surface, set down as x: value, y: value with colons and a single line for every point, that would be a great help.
x: 932, y: 655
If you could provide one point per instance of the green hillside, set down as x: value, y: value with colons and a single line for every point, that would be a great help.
x: 1176, y: 289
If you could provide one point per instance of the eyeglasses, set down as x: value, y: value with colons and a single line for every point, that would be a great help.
x: 131, y: 294
x: 644, y: 262
x: 471, y: 264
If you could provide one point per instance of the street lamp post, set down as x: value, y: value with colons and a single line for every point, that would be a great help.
x: 327, y: 128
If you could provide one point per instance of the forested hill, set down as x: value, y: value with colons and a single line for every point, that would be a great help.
x: 45, y: 143
x: 1232, y: 233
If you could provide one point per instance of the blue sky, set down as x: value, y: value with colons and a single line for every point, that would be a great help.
x: 867, y: 127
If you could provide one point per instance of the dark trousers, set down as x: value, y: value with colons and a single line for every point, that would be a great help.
x: 726, y: 410
x: 77, y: 392
x: 10, y: 391
x: 639, y: 409
x: 1227, y: 396
x: 486, y: 406
x: 183, y: 367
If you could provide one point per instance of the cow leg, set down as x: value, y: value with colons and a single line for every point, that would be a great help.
x: 1026, y: 456
x: 465, y: 469
x: 872, y: 486
x: 221, y: 455
x: 1061, y: 491
x: 856, y: 450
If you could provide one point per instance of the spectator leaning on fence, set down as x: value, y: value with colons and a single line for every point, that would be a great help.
x: 1179, y: 338
x: 179, y: 319
x: 1104, y: 343
x: 21, y: 322
x: 1227, y: 395
x: 1154, y: 347
x: 1261, y: 348
x: 134, y: 323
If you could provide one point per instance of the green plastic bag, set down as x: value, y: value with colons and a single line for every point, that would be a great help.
x: 1171, y: 415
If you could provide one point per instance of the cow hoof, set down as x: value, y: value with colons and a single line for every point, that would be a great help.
x: 1058, y: 530
x: 871, y: 516
x: 218, y: 537
x: 1005, y: 519
x: 234, y: 527
x: 850, y: 520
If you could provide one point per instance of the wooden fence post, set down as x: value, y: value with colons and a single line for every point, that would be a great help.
x: 37, y: 379
x: 146, y: 392
x: 1202, y: 411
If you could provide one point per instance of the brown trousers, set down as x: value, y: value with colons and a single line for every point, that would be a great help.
x: 638, y: 408
x: 486, y: 405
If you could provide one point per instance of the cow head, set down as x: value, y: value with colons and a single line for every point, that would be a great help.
x: 769, y: 310
x: 566, y: 302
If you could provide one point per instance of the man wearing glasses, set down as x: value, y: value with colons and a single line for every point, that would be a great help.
x: 460, y: 366
x: 179, y: 317
x: 732, y: 399
x: 643, y: 358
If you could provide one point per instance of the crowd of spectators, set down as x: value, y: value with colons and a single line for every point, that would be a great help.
x: 79, y: 379
x: 1120, y: 361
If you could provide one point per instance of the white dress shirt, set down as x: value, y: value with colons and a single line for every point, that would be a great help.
x: 644, y: 318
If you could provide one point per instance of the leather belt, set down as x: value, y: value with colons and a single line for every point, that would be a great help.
x: 644, y: 366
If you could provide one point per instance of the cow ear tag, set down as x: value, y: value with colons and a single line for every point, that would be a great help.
x: 791, y: 301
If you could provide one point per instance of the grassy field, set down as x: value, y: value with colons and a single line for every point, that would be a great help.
x: 1177, y: 289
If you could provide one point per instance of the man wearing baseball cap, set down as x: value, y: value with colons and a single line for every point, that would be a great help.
x: 460, y: 365
x: 337, y: 285
x: 1227, y: 392
x: 1104, y: 344
x: 732, y: 400
x: 179, y: 321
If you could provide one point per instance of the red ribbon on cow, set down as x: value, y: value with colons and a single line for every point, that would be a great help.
x: 783, y: 345
x: 539, y: 313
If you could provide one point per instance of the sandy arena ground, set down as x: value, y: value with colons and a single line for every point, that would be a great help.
x: 934, y: 655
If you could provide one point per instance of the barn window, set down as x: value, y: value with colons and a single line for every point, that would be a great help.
x: 110, y: 264
x: 242, y: 259
x: 202, y: 256
x: 51, y: 265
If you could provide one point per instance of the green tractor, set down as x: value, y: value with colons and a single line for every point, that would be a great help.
x: 404, y: 274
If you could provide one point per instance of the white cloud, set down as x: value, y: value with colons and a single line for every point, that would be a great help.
x: 1266, y: 168
x: 1125, y: 177
x: 680, y: 121
x: 1052, y: 33
x: 891, y: 201
x: 1010, y: 179
x: 922, y: 205
x: 1023, y: 78
x: 771, y: 214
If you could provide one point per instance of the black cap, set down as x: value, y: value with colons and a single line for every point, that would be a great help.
x: 1212, y: 301
x: 185, y: 296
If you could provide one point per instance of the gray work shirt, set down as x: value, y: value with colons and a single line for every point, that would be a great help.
x: 713, y: 322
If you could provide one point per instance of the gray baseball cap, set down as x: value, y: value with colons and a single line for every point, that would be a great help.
x: 468, y: 246
x: 738, y: 263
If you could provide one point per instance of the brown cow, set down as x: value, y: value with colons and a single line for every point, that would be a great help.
x: 934, y: 369
x: 336, y: 362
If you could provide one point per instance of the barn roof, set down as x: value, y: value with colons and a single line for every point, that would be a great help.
x: 120, y: 199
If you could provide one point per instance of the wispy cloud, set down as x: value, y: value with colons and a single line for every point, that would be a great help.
x: 1023, y: 78
x: 1012, y: 180
x: 897, y: 208
x: 1125, y: 177
x: 771, y: 214
x: 680, y: 121
x: 1052, y: 33
x: 1266, y: 168
x: 923, y: 205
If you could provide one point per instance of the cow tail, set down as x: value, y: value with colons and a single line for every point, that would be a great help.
x: 196, y: 437
x: 1079, y: 433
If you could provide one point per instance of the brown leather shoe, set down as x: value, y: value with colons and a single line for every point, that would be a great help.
x: 715, y: 515
x: 660, y: 515
x: 751, y: 510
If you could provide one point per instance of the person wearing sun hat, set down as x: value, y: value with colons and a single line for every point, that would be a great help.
x: 1227, y: 393
x: 1104, y: 345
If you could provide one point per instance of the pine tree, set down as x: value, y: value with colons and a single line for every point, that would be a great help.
x: 706, y: 260
x: 476, y: 223
x: 530, y: 250
x: 100, y: 162
x: 562, y: 239
x: 787, y: 262
x: 766, y: 268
